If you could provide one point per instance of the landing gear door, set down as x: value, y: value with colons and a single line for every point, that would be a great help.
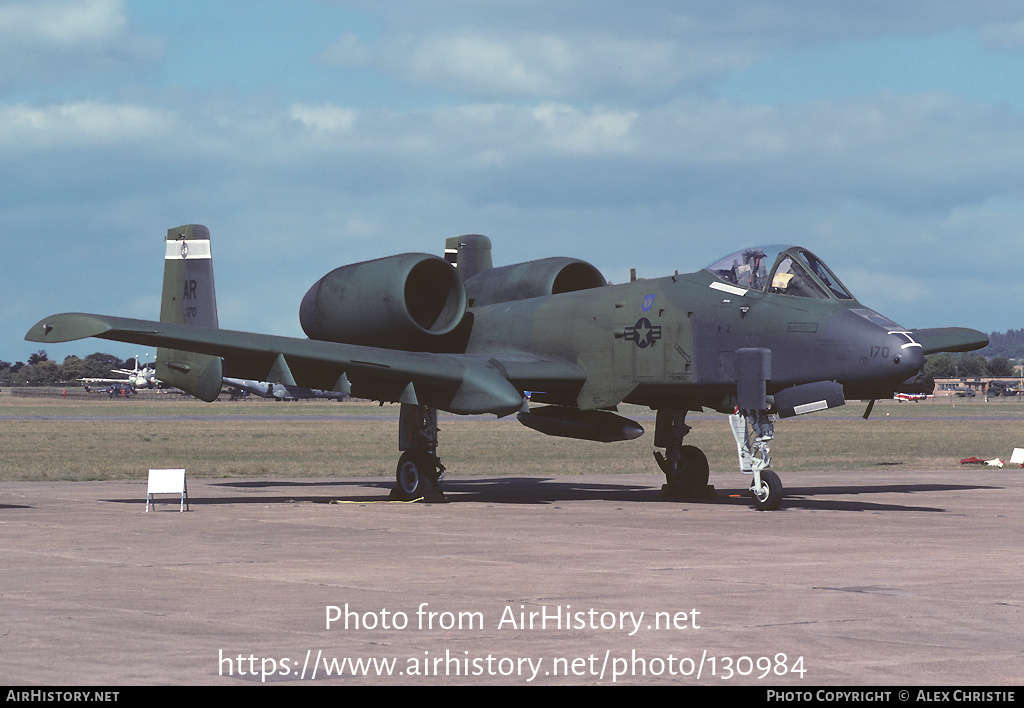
x: 753, y: 371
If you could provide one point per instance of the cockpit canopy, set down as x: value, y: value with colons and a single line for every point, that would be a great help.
x: 785, y: 270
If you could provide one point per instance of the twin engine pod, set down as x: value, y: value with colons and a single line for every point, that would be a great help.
x: 396, y: 302
x: 413, y: 300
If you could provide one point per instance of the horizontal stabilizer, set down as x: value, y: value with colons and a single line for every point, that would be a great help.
x: 949, y: 339
x: 199, y: 375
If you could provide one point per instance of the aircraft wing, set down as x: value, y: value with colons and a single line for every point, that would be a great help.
x: 949, y: 339
x: 458, y: 383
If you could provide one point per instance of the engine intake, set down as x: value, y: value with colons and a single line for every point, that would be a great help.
x: 396, y: 302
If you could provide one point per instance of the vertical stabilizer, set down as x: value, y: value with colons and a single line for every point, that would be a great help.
x: 469, y: 254
x: 189, y: 299
x: 188, y: 296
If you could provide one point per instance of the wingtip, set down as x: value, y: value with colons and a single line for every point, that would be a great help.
x: 66, y: 327
x: 950, y: 339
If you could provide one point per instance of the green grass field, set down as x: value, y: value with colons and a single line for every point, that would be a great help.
x: 93, y: 437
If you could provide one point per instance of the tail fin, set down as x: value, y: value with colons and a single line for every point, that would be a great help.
x: 189, y: 298
x: 470, y: 254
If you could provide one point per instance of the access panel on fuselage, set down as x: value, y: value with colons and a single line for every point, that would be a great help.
x: 654, y: 341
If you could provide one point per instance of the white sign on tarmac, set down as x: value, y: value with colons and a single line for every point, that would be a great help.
x: 167, y: 482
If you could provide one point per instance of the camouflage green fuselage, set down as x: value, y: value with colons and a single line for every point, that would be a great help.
x: 671, y: 342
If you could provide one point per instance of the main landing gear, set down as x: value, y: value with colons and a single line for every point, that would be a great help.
x: 686, y: 467
x: 419, y: 472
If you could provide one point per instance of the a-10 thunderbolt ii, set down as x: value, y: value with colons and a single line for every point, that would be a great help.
x: 763, y: 332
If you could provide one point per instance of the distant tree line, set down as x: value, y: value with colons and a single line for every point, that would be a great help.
x: 41, y: 371
x: 948, y: 366
x: 1009, y: 344
x: 1004, y: 352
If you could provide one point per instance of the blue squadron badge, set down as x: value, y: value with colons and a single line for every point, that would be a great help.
x: 648, y: 303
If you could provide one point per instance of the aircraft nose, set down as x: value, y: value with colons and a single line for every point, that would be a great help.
x: 897, y: 354
x: 909, y: 354
x: 879, y: 350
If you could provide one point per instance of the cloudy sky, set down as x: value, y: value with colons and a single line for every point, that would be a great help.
x: 307, y: 134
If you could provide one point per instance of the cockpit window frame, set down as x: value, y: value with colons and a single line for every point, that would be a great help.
x: 750, y: 268
x: 791, y: 277
x: 824, y: 275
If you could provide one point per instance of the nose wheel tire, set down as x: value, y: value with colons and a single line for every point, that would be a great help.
x: 769, y: 496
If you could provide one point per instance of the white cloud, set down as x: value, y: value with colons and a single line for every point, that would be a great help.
x: 80, y: 124
x: 604, y: 51
x: 566, y: 65
x: 324, y: 118
x: 62, y: 23
x: 529, y: 65
x: 348, y: 51
x: 53, y: 43
x: 1003, y: 35
x: 791, y: 21
x: 598, y: 131
x: 918, y: 151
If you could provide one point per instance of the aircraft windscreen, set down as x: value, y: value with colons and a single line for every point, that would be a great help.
x: 791, y: 278
x: 825, y: 275
x: 784, y: 270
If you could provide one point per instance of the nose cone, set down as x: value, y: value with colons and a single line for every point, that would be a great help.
x: 877, y: 351
x: 911, y: 354
x: 908, y: 360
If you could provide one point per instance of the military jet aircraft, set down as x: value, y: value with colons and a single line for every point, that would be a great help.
x: 763, y: 332
x: 139, y: 377
x: 279, y: 391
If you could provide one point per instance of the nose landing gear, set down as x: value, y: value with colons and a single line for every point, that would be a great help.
x: 753, y: 432
x: 766, y: 490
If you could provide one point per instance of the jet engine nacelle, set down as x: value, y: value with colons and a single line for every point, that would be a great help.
x: 547, y: 276
x: 396, y: 302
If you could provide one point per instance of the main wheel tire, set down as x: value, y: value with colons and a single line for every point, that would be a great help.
x: 769, y: 496
x: 695, y: 467
x: 687, y: 473
x: 412, y: 477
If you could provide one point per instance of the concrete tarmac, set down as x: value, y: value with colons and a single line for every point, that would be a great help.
x: 881, y: 577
